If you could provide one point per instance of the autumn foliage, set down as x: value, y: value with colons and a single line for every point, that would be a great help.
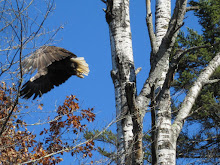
x: 18, y: 145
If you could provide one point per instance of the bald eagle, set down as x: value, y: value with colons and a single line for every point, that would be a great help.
x: 54, y: 66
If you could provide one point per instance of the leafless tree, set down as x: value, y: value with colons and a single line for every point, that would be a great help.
x: 22, y: 30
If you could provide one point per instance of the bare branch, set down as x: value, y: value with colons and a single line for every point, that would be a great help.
x: 178, y: 15
x: 163, y: 53
x: 138, y: 70
x: 150, y: 26
x: 192, y: 8
x: 176, y: 23
x: 20, y: 38
x: 71, y: 148
x: 193, y: 93
x: 19, y: 32
x: 212, y: 81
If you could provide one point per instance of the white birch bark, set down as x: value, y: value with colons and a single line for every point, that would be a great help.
x: 163, y: 15
x: 117, y: 16
x: 163, y: 109
x: 165, y: 146
x: 162, y: 52
x: 159, y: 61
x: 193, y: 93
x: 165, y: 142
x: 166, y: 32
x: 123, y: 76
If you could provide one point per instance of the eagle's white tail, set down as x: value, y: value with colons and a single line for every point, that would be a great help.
x: 82, y: 66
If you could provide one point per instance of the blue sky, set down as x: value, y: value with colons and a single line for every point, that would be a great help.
x: 86, y: 34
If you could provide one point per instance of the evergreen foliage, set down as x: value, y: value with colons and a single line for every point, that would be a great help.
x: 204, y: 142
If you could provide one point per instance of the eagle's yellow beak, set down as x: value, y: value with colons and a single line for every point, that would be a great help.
x: 80, y: 73
x: 82, y: 67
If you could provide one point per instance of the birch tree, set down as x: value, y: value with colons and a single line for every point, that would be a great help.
x: 155, y: 94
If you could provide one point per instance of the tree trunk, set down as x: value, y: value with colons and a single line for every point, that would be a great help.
x: 123, y: 73
x: 165, y: 141
x: 159, y: 68
x: 130, y: 108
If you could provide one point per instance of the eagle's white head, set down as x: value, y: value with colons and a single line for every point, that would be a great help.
x: 82, y: 66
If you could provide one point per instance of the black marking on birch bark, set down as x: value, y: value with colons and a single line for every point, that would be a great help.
x: 131, y: 93
x: 152, y: 59
x: 165, y: 145
x: 125, y: 68
x: 120, y: 76
x: 131, y: 96
x: 123, y: 15
x: 114, y: 75
x: 119, y: 62
x: 109, y: 15
x: 153, y: 125
x: 152, y: 96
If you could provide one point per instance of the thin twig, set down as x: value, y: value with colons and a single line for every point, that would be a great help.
x: 71, y: 148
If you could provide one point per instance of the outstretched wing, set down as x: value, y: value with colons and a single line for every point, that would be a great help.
x: 55, y: 65
x: 47, y: 78
x: 45, y: 56
x: 37, y: 87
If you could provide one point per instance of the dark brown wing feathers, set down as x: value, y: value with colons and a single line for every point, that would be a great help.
x: 58, y: 69
x: 36, y: 88
x: 44, y: 57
